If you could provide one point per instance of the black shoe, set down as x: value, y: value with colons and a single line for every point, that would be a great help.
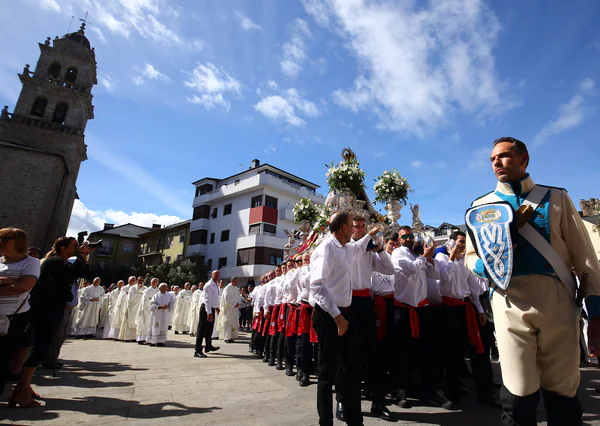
x: 228, y: 341
x: 440, y: 399
x: 279, y: 366
x: 216, y: 338
x: 140, y: 342
x: 382, y: 412
x: 339, y: 412
x: 304, y: 380
x: 177, y: 332
x: 490, y: 402
x: 199, y: 355
x: 265, y: 360
x: 58, y: 364
x: 401, y: 400
x: 271, y: 363
x: 289, y: 372
x: 298, y: 375
x: 152, y: 345
x: 250, y: 350
x: 212, y: 349
x: 160, y: 344
x: 51, y: 366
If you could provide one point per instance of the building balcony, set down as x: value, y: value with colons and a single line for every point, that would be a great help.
x: 264, y: 239
x: 151, y: 249
x: 199, y: 224
x: 196, y: 249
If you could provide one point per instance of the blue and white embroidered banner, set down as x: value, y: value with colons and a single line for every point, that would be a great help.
x: 490, y: 228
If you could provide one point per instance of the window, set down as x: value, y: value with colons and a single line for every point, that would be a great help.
x: 54, y: 70
x: 182, y: 237
x: 71, y: 75
x: 268, y: 256
x: 201, y: 212
x: 204, y: 189
x: 198, y: 237
x: 60, y: 113
x: 169, y: 241
x: 271, y: 202
x: 212, y: 238
x: 215, y: 212
x: 209, y: 264
x: 222, y: 262
x: 246, y: 256
x: 269, y: 229
x: 128, y: 247
x: 225, y: 235
x: 254, y: 229
x: 167, y: 259
x: 237, y: 182
x: 101, y: 263
x: 179, y: 257
x: 39, y: 107
x: 106, y: 248
x: 227, y: 210
x: 257, y: 201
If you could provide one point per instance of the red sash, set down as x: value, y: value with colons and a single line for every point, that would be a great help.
x: 257, y: 320
x: 266, y: 323
x: 274, y: 317
x: 314, y: 337
x: 304, y: 318
x: 381, y: 316
x: 365, y: 292
x: 292, y: 322
x: 472, y: 324
x: 281, y: 318
x: 415, y: 330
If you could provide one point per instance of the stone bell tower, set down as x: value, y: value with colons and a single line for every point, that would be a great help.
x: 42, y: 140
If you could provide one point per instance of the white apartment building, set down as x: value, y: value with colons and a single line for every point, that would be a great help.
x: 239, y: 222
x: 441, y: 233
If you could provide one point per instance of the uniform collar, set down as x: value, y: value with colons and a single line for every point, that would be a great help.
x: 511, y: 188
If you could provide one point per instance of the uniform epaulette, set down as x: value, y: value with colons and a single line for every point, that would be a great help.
x: 479, y: 198
x: 553, y: 187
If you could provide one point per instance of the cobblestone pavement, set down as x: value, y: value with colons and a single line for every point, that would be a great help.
x: 107, y: 382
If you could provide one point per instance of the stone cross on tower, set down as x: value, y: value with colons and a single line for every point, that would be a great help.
x: 42, y: 140
x: 417, y: 225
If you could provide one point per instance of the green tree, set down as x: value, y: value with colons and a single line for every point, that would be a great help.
x: 179, y: 272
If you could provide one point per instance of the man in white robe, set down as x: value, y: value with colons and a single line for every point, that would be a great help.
x: 229, y: 320
x: 182, y: 310
x: 111, y: 304
x: 120, y: 307
x: 174, y: 292
x: 215, y: 335
x: 75, y: 312
x: 161, y: 307
x: 128, y: 329
x: 143, y: 316
x: 195, y: 309
x: 89, y: 309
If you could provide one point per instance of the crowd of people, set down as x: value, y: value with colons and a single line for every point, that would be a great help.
x: 377, y: 320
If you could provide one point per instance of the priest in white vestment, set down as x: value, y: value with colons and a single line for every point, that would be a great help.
x: 194, y: 316
x: 89, y: 309
x: 229, y: 319
x: 182, y: 310
x: 128, y: 329
x: 111, y: 303
x: 143, y: 316
x: 161, y: 307
x: 120, y: 307
x: 215, y: 335
x: 174, y: 292
x: 75, y: 311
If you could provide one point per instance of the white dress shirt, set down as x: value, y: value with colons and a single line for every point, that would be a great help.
x: 270, y: 293
x: 411, y: 272
x: 290, y: 290
x: 259, y: 298
x: 303, y: 284
x: 279, y: 290
x: 365, y: 264
x: 457, y: 281
x: 210, y: 296
x: 330, y: 277
x: 382, y: 284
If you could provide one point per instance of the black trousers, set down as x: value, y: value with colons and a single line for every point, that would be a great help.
x: 290, y: 341
x: 456, y: 342
x: 423, y: 351
x: 522, y: 410
x: 205, y: 329
x: 384, y: 356
x: 45, y: 322
x: 305, y: 351
x: 337, y: 354
x: 281, y: 335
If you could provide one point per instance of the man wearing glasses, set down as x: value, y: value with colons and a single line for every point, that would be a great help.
x: 415, y: 322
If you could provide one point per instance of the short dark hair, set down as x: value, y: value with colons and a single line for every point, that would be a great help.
x: 405, y: 228
x: 338, y: 220
x: 455, y: 234
x: 390, y: 235
x: 519, y: 147
x: 358, y: 219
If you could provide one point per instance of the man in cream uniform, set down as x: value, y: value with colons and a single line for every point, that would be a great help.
x: 537, y: 320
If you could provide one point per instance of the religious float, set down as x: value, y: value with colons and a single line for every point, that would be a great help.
x: 346, y: 181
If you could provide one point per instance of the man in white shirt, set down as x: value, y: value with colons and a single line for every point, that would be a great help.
x: 305, y: 347
x: 331, y: 296
x: 257, y: 314
x: 273, y: 300
x: 415, y: 323
x: 288, y: 335
x: 269, y: 295
x: 209, y: 305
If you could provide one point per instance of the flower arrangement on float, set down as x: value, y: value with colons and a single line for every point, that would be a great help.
x: 305, y: 210
x: 346, y: 175
x: 391, y: 186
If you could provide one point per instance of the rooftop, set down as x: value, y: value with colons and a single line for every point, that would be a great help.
x: 128, y: 230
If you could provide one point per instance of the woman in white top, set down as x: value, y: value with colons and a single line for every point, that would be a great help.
x: 18, y: 274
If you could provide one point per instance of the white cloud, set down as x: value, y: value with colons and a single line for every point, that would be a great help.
x: 197, y: 45
x: 570, y: 114
x: 416, y: 163
x: 420, y: 64
x: 307, y: 107
x: 279, y: 109
x: 138, y: 80
x: 380, y: 155
x: 272, y: 84
x: 106, y: 81
x: 50, y: 4
x: 212, y: 84
x: 294, y: 50
x: 270, y: 149
x: 153, y: 74
x: 84, y: 219
x: 245, y: 22
x: 480, y: 158
x: 99, y: 35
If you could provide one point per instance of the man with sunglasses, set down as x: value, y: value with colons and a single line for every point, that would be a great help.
x: 416, y: 326
x: 537, y: 313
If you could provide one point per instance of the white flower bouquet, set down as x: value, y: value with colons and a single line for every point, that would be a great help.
x: 391, y: 186
x: 305, y: 210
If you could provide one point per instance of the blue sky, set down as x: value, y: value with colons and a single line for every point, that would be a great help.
x: 189, y: 89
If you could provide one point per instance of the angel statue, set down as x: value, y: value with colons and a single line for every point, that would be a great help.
x: 291, y: 233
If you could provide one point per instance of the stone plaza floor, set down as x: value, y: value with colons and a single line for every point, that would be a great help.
x: 107, y: 382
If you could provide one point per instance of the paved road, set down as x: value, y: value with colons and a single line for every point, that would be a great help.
x: 106, y: 382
